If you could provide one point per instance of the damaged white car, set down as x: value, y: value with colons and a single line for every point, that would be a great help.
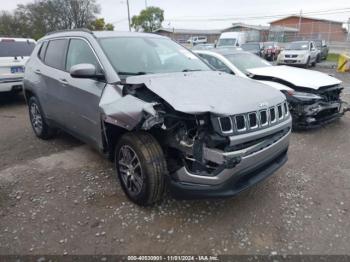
x: 164, y: 116
x: 313, y: 97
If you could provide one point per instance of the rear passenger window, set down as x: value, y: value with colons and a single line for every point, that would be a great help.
x: 42, y: 51
x: 79, y: 52
x: 55, y: 53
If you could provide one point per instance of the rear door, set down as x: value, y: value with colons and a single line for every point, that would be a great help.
x: 52, y: 72
x: 82, y: 96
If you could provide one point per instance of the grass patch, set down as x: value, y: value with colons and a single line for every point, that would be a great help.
x: 333, y: 57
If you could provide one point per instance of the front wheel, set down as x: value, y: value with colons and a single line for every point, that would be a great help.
x: 141, y: 167
x: 307, y: 65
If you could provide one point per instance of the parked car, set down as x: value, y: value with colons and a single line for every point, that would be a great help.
x: 254, y: 47
x: 195, y: 40
x: 231, y: 39
x: 271, y: 50
x: 203, y: 47
x: 14, y: 53
x: 162, y: 114
x: 313, y: 97
x: 323, y: 48
x: 301, y: 53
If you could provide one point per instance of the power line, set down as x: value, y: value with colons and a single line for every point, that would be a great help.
x: 323, y: 12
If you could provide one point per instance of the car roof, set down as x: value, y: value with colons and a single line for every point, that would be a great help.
x: 224, y: 51
x: 17, y: 39
x: 98, y: 34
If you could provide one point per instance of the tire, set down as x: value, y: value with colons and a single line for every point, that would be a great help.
x: 37, y: 119
x: 307, y: 65
x: 142, y: 178
x: 318, y: 59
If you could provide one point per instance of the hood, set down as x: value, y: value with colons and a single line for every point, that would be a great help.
x: 296, y: 76
x: 209, y: 91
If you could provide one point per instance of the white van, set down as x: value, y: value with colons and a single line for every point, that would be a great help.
x: 14, y: 53
x: 231, y: 39
x: 195, y: 40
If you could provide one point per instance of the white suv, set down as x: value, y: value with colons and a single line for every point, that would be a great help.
x: 14, y: 52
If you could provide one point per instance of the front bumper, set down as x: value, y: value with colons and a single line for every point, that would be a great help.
x: 251, y: 169
x: 292, y: 61
x: 318, y: 114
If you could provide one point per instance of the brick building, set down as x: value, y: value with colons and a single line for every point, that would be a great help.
x: 313, y: 28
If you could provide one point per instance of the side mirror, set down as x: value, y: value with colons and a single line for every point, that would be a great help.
x: 85, y: 71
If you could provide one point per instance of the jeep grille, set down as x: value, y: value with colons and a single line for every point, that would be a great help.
x: 252, y: 121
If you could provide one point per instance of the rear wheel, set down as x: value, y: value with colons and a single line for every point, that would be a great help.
x: 38, y: 121
x: 141, y: 168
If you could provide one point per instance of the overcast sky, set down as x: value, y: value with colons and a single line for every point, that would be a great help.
x: 199, y: 14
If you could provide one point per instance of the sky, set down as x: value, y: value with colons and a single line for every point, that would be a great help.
x: 203, y: 14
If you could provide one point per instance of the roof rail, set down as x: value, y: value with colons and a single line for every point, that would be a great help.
x: 71, y: 30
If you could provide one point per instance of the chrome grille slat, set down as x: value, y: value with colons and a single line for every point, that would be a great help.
x: 244, y: 123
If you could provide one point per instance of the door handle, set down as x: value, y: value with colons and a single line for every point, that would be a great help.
x: 37, y: 71
x: 63, y: 81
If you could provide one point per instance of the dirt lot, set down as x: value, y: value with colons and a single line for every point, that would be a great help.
x: 60, y: 197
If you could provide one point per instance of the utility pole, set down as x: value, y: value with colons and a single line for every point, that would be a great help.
x: 146, y: 5
x: 349, y: 29
x: 299, y: 27
x: 127, y: 3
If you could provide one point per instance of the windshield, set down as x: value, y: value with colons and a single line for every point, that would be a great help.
x: 298, y: 46
x: 138, y: 55
x: 269, y: 44
x: 244, y: 61
x: 249, y: 47
x: 227, y: 42
x: 13, y: 49
x: 318, y: 43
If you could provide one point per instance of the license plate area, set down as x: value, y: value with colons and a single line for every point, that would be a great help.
x: 17, y: 69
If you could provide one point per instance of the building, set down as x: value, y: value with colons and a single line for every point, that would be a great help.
x: 312, y: 28
x: 182, y: 35
x: 254, y: 33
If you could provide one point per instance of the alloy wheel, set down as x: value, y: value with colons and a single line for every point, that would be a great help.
x: 36, y: 118
x: 130, y: 170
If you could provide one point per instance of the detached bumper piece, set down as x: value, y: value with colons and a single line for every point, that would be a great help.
x: 317, y: 114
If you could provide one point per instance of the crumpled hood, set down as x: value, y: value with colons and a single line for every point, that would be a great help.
x: 297, y: 76
x: 209, y: 91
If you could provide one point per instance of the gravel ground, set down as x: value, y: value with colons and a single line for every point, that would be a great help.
x: 60, y: 197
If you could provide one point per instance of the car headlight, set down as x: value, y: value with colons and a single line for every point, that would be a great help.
x: 303, y: 95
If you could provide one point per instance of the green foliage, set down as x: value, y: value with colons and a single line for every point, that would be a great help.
x: 333, y: 57
x: 100, y: 25
x: 39, y: 17
x: 149, y: 19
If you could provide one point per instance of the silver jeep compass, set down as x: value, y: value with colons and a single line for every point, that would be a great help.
x: 157, y: 110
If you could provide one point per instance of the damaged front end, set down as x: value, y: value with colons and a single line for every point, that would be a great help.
x: 208, y: 154
x: 311, y: 109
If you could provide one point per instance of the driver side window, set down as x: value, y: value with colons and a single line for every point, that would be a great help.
x: 79, y: 52
x: 216, y: 63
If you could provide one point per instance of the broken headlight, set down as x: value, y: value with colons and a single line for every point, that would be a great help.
x: 303, y: 95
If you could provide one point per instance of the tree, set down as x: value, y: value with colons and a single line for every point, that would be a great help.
x: 100, y: 25
x: 149, y: 19
x: 42, y: 16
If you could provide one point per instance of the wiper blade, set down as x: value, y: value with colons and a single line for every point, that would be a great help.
x: 191, y: 70
x: 134, y: 73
